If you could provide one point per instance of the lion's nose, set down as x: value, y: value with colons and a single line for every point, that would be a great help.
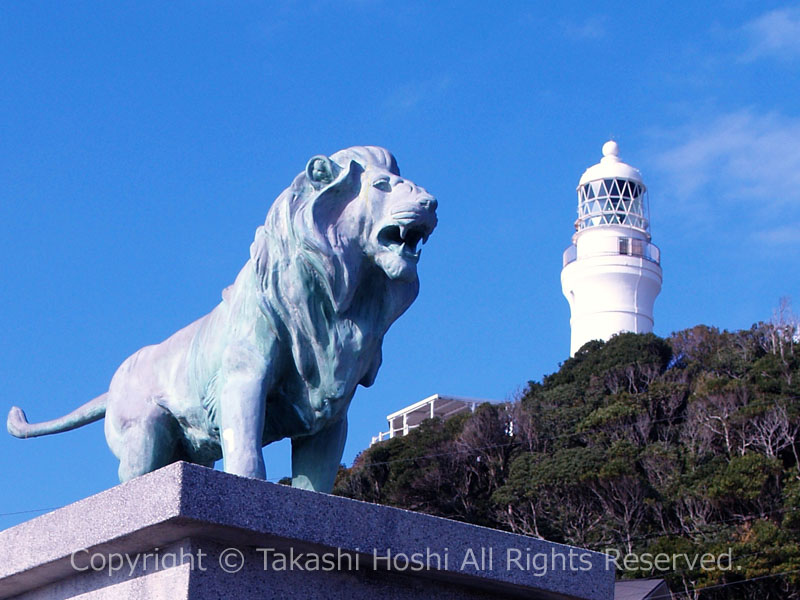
x: 428, y: 202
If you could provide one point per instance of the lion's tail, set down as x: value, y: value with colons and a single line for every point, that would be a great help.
x: 90, y: 412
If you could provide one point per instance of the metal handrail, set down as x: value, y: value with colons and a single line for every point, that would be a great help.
x: 625, y: 247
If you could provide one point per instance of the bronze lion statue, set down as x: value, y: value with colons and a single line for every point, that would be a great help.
x: 334, y: 265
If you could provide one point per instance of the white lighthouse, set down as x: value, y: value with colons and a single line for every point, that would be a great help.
x: 611, y: 272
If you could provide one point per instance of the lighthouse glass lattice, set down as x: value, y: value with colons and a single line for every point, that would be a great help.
x: 611, y: 272
x: 612, y: 201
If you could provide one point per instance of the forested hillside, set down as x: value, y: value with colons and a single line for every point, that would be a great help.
x: 683, y: 445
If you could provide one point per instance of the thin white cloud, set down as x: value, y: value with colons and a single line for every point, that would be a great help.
x: 781, y: 235
x: 591, y: 28
x: 774, y: 34
x: 739, y: 165
x: 408, y: 96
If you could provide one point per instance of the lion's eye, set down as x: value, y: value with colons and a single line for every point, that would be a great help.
x: 382, y: 184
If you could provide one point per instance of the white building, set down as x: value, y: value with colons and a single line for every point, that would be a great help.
x: 611, y: 272
x: 408, y: 418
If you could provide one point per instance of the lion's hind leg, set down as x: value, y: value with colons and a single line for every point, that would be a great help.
x: 143, y: 442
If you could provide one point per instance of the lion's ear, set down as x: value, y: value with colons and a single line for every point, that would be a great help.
x: 321, y: 171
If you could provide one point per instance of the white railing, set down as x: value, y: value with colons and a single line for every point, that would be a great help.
x: 570, y: 254
x: 624, y: 246
x: 385, y: 435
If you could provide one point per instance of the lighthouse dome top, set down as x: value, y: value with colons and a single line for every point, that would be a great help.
x: 612, y: 193
x: 610, y: 166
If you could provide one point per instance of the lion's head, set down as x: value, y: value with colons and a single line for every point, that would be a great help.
x: 347, y: 231
x: 390, y: 217
x: 345, y: 213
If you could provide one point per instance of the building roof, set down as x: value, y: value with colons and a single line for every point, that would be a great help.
x: 425, y: 401
x: 641, y: 589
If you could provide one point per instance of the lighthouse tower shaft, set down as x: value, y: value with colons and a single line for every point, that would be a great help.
x: 611, y: 272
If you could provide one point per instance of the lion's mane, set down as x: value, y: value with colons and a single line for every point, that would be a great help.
x: 308, y: 278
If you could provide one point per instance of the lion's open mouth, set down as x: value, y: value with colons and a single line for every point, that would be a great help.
x: 403, y: 239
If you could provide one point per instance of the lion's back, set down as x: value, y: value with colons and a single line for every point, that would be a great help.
x: 158, y: 370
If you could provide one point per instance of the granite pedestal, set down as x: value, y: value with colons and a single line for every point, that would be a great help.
x: 187, y: 532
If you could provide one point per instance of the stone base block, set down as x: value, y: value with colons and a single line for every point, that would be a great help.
x: 187, y: 532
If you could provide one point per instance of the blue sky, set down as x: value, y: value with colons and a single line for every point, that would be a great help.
x: 142, y: 143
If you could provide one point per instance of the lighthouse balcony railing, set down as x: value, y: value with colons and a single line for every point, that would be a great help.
x: 624, y: 246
